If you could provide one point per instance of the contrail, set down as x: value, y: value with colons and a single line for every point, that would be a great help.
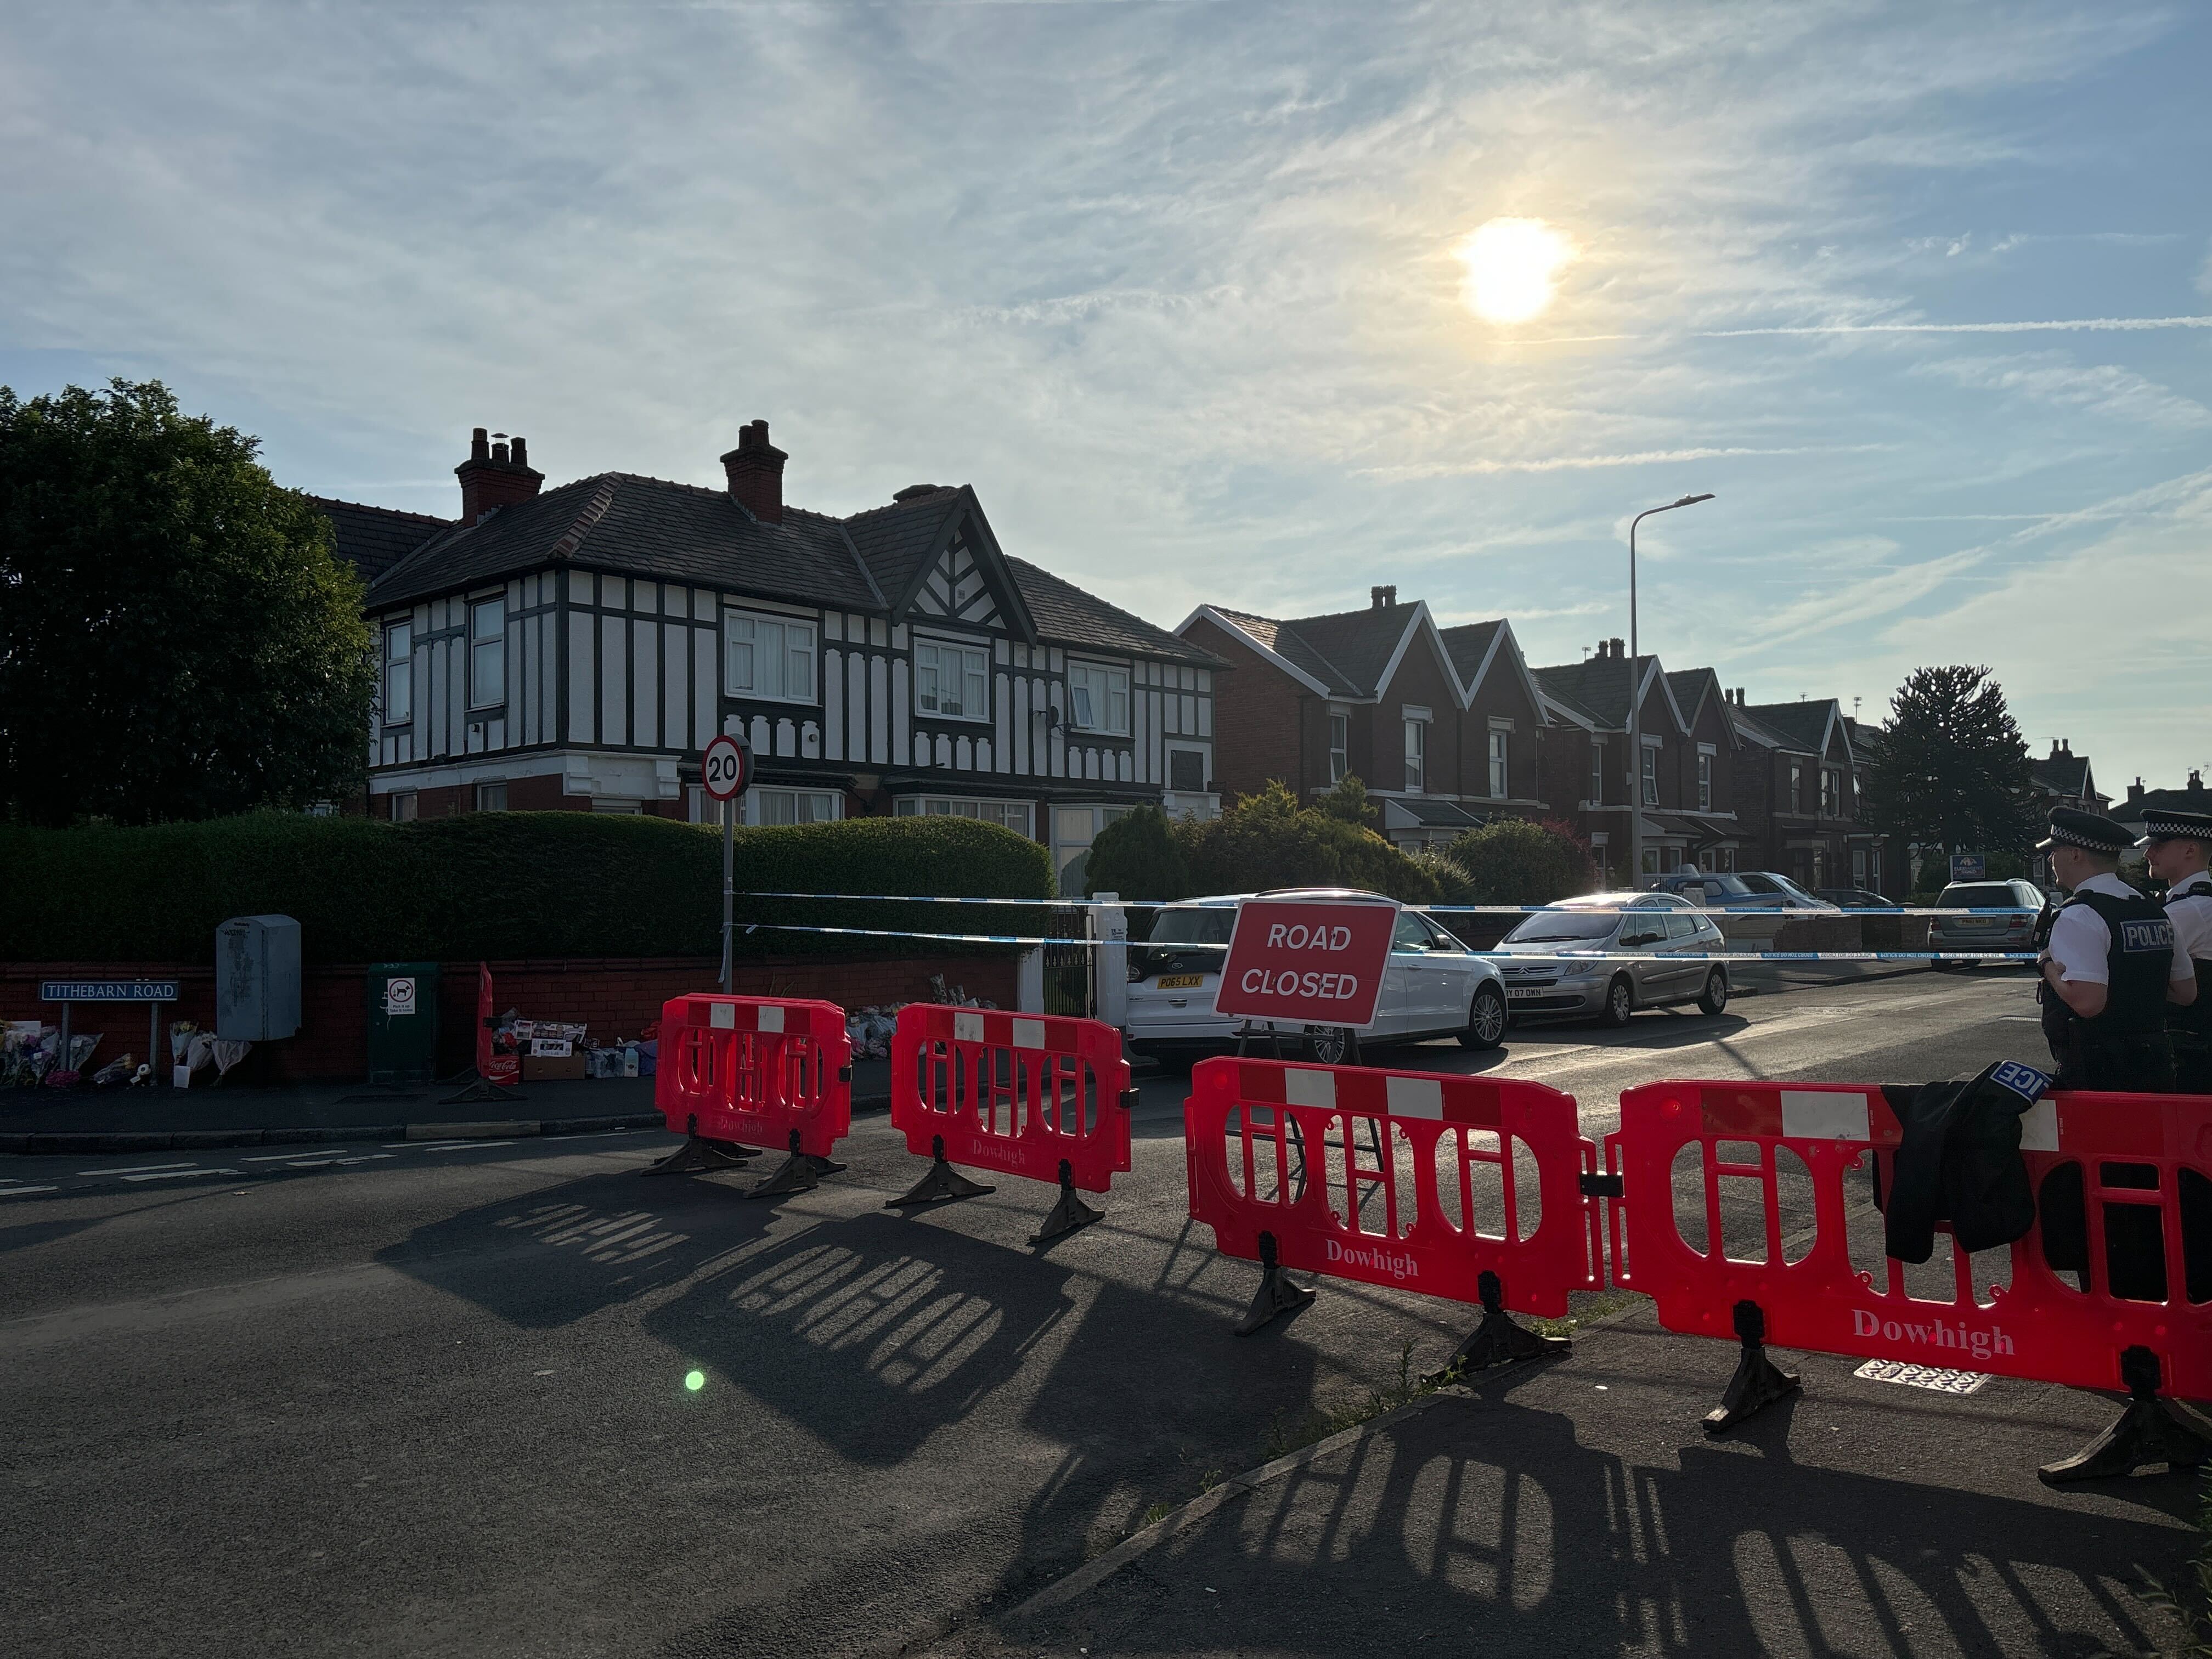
x: 2091, y: 324
x: 1642, y: 458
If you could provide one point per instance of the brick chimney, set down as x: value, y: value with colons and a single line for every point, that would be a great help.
x: 1381, y: 598
x: 2135, y: 792
x: 2196, y: 779
x: 497, y: 473
x: 756, y: 473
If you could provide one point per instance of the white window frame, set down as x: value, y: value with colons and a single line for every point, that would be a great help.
x: 1339, y: 745
x: 757, y: 798
x: 964, y: 649
x: 1705, y: 752
x: 1018, y: 816
x: 1649, y: 773
x: 1205, y: 766
x: 1797, y: 788
x: 489, y: 803
x: 1597, y: 772
x: 1417, y: 756
x: 1097, y: 683
x: 399, y: 674
x: 487, y: 648
x: 1832, y: 792
x: 402, y: 807
x: 1501, y: 762
x: 734, y: 620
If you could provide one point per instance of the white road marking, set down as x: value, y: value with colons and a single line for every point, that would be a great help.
x: 452, y: 1145
x: 18, y: 1192
x: 132, y: 1168
x: 172, y: 1175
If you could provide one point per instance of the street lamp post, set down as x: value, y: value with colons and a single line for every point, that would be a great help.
x: 1636, y: 703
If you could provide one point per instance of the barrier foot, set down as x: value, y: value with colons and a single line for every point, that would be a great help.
x: 1758, y: 1382
x: 1276, y: 1295
x: 941, y: 1185
x: 2150, y: 1431
x: 1498, y: 1341
x: 484, y: 1089
x: 1070, y: 1214
x: 700, y: 1153
x: 798, y: 1173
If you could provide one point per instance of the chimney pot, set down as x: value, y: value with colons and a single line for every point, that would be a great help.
x: 2196, y: 779
x: 1390, y: 598
x: 494, y: 474
x: 1375, y: 599
x: 755, y: 470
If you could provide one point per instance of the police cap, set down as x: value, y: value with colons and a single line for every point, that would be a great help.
x: 2070, y: 827
x: 2161, y: 824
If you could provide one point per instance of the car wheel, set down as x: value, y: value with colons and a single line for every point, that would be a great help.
x: 1326, y: 1045
x: 1716, y: 997
x: 1486, y: 1020
x: 1620, y: 1003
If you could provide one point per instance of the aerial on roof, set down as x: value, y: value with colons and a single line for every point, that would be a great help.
x: 741, y: 539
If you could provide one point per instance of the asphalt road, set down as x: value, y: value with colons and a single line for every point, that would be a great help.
x: 432, y: 1399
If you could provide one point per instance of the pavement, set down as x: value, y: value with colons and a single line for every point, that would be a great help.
x: 79, y: 1122
x: 432, y: 1397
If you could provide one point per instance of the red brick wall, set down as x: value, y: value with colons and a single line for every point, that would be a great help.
x: 541, y: 793
x: 616, y: 996
x: 1258, y: 713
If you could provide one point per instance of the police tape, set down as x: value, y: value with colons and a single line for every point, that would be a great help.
x: 1748, y: 911
x: 1518, y: 956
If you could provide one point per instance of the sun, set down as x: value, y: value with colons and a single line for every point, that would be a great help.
x: 1510, y: 266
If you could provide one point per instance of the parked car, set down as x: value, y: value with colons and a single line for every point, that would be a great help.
x: 1665, y: 940
x: 1433, y: 987
x: 1735, y: 889
x: 2018, y: 907
x: 1856, y: 898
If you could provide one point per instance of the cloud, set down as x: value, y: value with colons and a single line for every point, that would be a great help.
x: 1573, y: 463
x: 2110, y: 325
x: 2103, y: 389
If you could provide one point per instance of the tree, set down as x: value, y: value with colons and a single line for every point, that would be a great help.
x: 178, y: 637
x: 1513, y: 861
x: 1346, y: 800
x: 1952, y: 768
x: 1137, y: 857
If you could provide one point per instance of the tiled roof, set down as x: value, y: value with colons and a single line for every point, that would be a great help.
x: 1468, y: 644
x: 896, y: 541
x: 2063, y: 775
x: 372, y: 539
x: 1801, y: 724
x: 2195, y: 798
x: 1429, y: 813
x: 619, y: 521
x: 1066, y: 615
x: 1598, y: 685
x: 1357, y: 642
x: 1285, y: 640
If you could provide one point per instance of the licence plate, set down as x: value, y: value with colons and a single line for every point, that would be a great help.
x: 1182, y: 982
x: 1521, y: 993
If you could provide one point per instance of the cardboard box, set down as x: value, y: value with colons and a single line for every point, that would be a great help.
x: 550, y: 1068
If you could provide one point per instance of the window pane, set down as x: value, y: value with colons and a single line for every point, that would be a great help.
x: 977, y: 702
x: 1080, y: 693
x: 799, y: 681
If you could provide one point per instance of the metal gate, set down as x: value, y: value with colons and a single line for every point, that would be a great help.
x: 1070, y: 987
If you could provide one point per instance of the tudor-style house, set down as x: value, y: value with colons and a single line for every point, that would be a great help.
x: 577, y: 646
x: 1440, y: 724
x: 1684, y: 775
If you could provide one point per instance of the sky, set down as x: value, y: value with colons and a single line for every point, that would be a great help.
x: 1923, y: 295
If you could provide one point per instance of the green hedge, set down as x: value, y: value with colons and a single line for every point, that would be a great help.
x: 499, y: 886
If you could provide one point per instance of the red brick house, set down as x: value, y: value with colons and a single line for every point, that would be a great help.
x: 1442, y: 724
x: 1687, y: 770
x: 1798, y: 794
x: 577, y: 646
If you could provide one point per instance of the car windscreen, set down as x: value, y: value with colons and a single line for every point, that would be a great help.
x: 1977, y: 895
x: 1564, y: 926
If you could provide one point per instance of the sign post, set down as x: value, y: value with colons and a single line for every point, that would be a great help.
x: 725, y: 769
x: 151, y: 991
x: 1308, y: 960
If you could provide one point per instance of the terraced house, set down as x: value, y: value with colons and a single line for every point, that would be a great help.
x: 576, y: 647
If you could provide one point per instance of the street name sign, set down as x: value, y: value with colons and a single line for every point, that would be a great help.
x: 107, y: 990
x: 1308, y: 961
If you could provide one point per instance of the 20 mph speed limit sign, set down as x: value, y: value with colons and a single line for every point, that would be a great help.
x: 725, y: 769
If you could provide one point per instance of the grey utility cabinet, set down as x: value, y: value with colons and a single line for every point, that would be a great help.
x: 257, y: 979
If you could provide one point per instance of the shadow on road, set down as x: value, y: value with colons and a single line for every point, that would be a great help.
x: 1502, y: 1532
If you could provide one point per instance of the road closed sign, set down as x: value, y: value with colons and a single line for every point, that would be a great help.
x: 1307, y: 961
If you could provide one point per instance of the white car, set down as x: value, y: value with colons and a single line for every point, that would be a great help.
x: 1434, y: 986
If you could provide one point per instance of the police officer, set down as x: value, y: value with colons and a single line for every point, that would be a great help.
x: 2176, y: 846
x: 2112, y: 965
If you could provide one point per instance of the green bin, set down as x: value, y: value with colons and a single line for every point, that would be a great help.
x: 403, y: 1022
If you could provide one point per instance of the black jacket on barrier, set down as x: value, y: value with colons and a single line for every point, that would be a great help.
x: 1959, y: 1161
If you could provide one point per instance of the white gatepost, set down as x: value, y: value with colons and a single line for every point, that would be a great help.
x: 1109, y: 926
x: 1029, y: 981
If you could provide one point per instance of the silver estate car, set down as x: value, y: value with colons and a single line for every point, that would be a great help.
x: 1645, y: 950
